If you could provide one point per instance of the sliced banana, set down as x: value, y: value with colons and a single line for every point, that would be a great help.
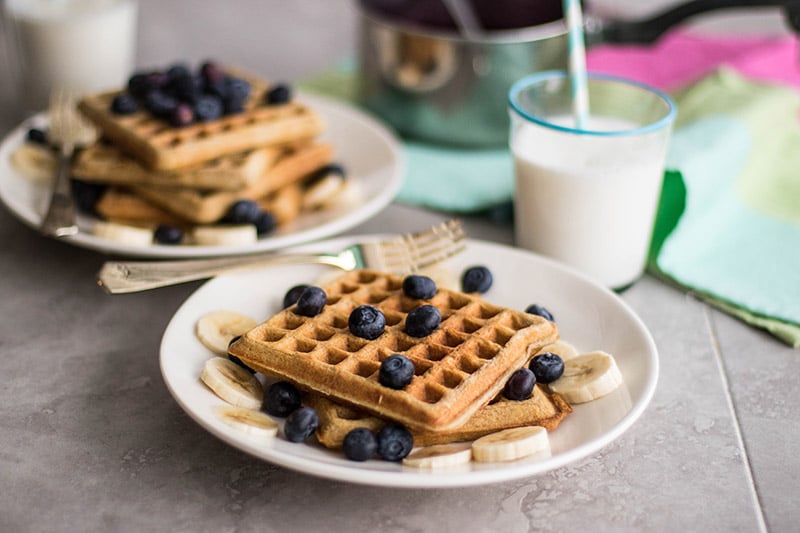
x: 217, y: 328
x: 561, y: 348
x: 439, y: 456
x: 249, y: 421
x: 587, y: 377
x: 323, y: 190
x: 510, y: 444
x: 122, y: 233
x: 36, y: 162
x: 224, y: 235
x: 232, y: 383
x: 444, y: 277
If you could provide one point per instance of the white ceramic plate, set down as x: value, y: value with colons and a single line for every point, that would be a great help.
x: 369, y: 152
x: 588, y: 315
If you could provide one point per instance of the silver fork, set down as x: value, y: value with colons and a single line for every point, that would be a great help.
x: 401, y: 254
x: 67, y: 131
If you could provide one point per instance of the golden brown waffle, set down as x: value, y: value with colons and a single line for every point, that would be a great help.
x: 459, y: 368
x: 158, y: 145
x: 285, y: 204
x: 204, y: 207
x: 105, y: 163
x: 124, y: 207
x: 541, y: 409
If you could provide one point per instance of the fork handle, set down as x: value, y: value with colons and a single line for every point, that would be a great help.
x: 125, y: 277
x: 59, y: 221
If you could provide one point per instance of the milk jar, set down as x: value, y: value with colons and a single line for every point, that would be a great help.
x: 82, y: 45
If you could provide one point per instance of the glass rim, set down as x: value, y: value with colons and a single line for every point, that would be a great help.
x: 539, y: 77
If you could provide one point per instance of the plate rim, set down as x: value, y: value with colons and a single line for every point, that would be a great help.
x: 385, y: 195
x: 425, y: 479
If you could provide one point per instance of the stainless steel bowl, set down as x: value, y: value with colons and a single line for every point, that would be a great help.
x: 436, y: 86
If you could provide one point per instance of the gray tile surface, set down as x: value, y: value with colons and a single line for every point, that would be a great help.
x: 91, y: 440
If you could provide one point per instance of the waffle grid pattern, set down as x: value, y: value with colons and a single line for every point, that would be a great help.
x: 459, y: 367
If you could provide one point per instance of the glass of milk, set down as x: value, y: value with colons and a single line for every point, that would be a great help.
x: 588, y: 196
x: 82, y: 45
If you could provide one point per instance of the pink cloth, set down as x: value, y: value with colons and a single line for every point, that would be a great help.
x: 682, y: 57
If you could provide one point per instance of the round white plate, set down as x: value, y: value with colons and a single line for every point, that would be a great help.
x: 589, y: 316
x: 369, y: 152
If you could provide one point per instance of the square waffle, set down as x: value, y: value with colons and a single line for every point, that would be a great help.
x: 158, y: 145
x: 105, y: 163
x: 122, y: 206
x: 541, y: 409
x: 204, y: 207
x: 460, y: 367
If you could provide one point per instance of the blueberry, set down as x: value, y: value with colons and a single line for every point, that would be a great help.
x: 396, y: 371
x: 367, y: 322
x: 311, y: 301
x: 138, y: 85
x: 212, y: 72
x: 87, y: 195
x: 166, y: 234
x: 160, y: 104
x: 359, y: 444
x: 536, y: 309
x: 520, y: 385
x: 217, y: 88
x: 124, y: 104
x: 476, y: 279
x: 293, y: 294
x: 156, y: 80
x: 187, y: 89
x: 278, y: 94
x: 265, y: 222
x: 238, y: 88
x: 394, y: 443
x: 423, y: 320
x: 178, y: 71
x: 420, y: 287
x: 547, y: 367
x: 232, y: 105
x: 330, y: 168
x: 242, y: 212
x: 208, y: 108
x: 301, y: 424
x: 35, y: 135
x: 282, y: 399
x: 182, y: 115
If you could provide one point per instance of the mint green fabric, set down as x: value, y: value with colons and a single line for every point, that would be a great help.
x: 735, y: 239
x: 444, y: 178
x: 728, y: 227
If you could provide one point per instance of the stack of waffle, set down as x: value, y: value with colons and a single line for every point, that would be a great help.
x: 460, y: 369
x: 192, y: 175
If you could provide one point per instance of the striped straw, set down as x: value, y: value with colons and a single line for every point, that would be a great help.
x: 577, y: 62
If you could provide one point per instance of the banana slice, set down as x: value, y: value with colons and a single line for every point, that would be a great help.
x: 439, y: 456
x: 223, y: 235
x: 35, y: 162
x: 217, y: 328
x: 232, y: 383
x: 587, y: 377
x: 510, y: 444
x: 444, y: 277
x: 249, y: 421
x: 323, y: 190
x: 122, y: 233
x: 561, y: 348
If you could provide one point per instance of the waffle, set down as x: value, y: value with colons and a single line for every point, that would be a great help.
x: 105, y: 163
x: 160, y: 146
x: 204, y: 207
x: 459, y: 368
x: 542, y: 409
x: 124, y: 207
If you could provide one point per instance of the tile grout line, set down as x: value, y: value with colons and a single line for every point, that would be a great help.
x: 737, y: 428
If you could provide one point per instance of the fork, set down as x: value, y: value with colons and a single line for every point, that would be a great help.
x: 68, y: 132
x: 401, y: 254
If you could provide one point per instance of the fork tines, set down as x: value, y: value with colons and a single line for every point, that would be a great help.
x: 415, y: 251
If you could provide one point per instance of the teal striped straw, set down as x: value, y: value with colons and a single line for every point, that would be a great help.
x: 577, y: 62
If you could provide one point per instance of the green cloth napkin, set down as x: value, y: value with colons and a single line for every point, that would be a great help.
x: 728, y: 226
x: 729, y: 221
